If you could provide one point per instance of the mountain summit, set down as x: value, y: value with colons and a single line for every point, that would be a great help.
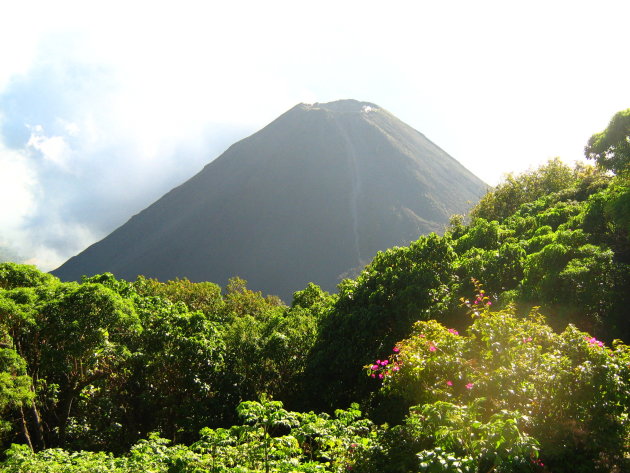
x: 311, y: 197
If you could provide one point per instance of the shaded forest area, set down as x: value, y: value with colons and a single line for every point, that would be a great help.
x: 496, y: 347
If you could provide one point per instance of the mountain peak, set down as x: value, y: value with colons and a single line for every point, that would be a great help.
x: 342, y: 106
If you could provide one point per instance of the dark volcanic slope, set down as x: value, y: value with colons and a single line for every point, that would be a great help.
x: 309, y: 197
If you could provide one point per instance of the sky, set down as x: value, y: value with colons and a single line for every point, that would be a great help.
x: 105, y: 106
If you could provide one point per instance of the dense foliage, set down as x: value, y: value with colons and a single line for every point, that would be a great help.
x: 269, y: 438
x: 511, y: 392
x: 506, y: 394
x: 176, y: 376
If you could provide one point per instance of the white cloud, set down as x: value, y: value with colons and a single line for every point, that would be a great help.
x: 71, y: 128
x: 25, y: 201
x: 18, y: 193
x: 52, y: 148
x: 47, y: 256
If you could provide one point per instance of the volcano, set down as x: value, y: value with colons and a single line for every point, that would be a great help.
x: 311, y: 197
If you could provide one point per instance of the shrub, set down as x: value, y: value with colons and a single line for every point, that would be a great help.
x: 510, y: 390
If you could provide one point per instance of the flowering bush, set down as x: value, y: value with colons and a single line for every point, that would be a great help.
x: 382, y: 368
x: 563, y: 398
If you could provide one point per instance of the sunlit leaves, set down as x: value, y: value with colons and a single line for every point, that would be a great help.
x: 558, y: 390
x: 611, y: 147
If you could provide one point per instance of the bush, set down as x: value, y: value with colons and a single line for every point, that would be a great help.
x: 511, y: 389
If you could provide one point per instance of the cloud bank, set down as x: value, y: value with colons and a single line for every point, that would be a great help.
x: 79, y: 154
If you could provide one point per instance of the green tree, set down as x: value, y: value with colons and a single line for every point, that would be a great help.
x: 14, y: 275
x: 611, y: 147
x: 82, y: 332
x: 514, y: 191
x: 399, y: 286
x: 72, y: 336
x: 268, y: 355
x: 239, y: 301
x: 266, y: 415
x: 177, y: 367
x: 15, y: 388
x: 203, y: 296
x: 611, y: 150
x: 313, y: 298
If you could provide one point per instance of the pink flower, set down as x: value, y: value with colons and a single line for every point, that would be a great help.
x: 453, y: 331
x: 528, y: 339
x: 395, y: 368
x: 380, y: 375
x: 432, y: 347
x: 469, y: 386
x: 395, y: 349
x: 488, y: 303
x: 594, y: 341
x: 449, y: 383
x: 378, y: 362
x: 373, y: 375
x: 384, y: 362
x: 375, y: 367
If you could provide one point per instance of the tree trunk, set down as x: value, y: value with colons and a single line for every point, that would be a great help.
x: 25, y: 429
x: 65, y: 415
x: 39, y: 428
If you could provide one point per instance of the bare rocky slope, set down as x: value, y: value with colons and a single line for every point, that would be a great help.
x: 311, y: 197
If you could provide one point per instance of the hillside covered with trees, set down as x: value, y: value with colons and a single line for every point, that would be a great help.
x: 497, y: 347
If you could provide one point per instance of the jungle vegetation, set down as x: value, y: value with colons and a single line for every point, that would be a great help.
x: 497, y: 347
